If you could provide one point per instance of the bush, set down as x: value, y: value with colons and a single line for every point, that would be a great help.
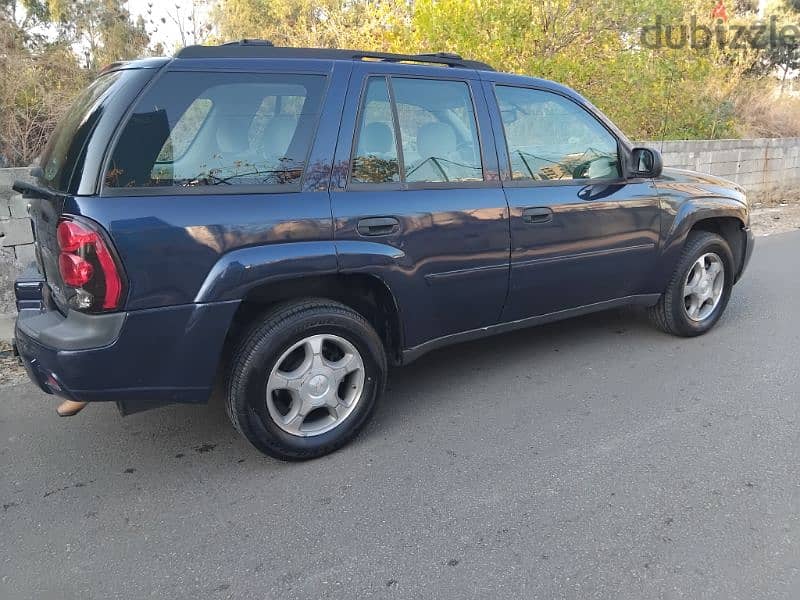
x: 765, y: 114
x: 37, y: 91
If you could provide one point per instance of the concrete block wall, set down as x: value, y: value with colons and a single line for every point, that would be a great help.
x: 768, y: 169
x: 16, y: 244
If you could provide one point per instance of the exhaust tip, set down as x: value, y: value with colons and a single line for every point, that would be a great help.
x: 70, y: 408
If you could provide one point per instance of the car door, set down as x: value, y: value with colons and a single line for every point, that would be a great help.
x: 581, y: 232
x: 416, y: 198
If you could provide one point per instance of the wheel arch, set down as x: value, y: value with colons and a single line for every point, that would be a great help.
x: 367, y: 294
x: 726, y: 217
x: 731, y: 229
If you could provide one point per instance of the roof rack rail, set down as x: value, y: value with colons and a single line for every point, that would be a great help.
x: 251, y: 48
x: 249, y: 42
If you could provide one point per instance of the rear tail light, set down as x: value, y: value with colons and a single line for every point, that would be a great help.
x: 75, y: 271
x: 87, y: 266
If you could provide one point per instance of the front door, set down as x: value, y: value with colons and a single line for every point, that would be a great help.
x: 416, y: 198
x: 581, y: 233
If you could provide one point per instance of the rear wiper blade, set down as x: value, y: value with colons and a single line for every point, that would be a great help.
x: 31, y: 190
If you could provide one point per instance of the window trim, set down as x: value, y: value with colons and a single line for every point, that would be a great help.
x: 401, y: 159
x: 202, y: 190
x: 511, y: 182
x: 106, y: 191
x: 357, y: 136
x: 403, y: 185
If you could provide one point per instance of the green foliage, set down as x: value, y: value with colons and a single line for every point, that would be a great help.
x: 101, y: 29
x: 313, y: 23
x: 41, y: 76
x: 594, y: 46
x: 35, y: 93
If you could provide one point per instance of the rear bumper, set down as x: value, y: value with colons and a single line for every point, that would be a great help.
x: 139, y: 359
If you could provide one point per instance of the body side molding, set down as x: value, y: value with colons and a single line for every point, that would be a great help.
x: 412, y: 354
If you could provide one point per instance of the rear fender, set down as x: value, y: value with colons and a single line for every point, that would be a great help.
x: 239, y: 271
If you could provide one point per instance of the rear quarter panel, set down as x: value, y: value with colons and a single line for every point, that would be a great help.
x: 172, y: 246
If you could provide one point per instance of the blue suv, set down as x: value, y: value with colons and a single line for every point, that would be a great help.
x: 295, y: 220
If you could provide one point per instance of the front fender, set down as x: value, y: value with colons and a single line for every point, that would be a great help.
x: 237, y: 272
x: 693, y: 210
x: 684, y: 216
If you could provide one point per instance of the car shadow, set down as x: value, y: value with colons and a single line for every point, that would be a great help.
x: 182, y: 429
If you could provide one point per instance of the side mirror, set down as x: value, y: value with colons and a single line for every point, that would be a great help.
x: 646, y: 162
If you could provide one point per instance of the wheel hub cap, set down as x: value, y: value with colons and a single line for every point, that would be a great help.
x: 315, y: 385
x: 703, y: 287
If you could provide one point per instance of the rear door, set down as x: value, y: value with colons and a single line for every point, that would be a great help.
x: 581, y: 232
x: 416, y: 197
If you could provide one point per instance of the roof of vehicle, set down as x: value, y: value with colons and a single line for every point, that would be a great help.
x: 249, y: 48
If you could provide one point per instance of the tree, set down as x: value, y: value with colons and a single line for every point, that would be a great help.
x: 102, y: 30
x: 313, y: 23
x: 40, y: 76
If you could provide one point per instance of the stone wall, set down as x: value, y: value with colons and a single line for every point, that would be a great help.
x: 769, y: 169
x: 16, y: 244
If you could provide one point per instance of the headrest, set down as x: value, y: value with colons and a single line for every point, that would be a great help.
x: 278, y: 134
x: 232, y: 134
x: 377, y: 139
x: 436, y: 139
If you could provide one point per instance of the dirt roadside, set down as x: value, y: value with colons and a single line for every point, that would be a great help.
x: 778, y: 218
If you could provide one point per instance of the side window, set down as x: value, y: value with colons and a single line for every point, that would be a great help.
x: 204, y: 129
x: 438, y: 130
x: 375, y: 156
x: 438, y: 133
x: 551, y: 138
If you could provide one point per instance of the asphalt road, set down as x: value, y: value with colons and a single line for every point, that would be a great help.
x: 595, y: 458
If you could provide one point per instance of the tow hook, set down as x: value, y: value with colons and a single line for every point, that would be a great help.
x: 70, y: 408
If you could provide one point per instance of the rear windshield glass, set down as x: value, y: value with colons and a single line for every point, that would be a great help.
x: 63, y: 153
x: 219, y: 129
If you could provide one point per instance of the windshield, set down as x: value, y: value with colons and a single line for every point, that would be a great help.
x: 63, y: 153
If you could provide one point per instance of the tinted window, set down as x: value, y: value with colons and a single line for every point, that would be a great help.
x: 63, y: 151
x: 375, y: 156
x: 203, y: 129
x: 438, y: 131
x: 552, y: 138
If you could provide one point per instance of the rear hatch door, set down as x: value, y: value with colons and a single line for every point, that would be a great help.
x: 71, y: 163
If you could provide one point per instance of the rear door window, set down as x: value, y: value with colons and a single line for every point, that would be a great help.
x: 435, y: 123
x: 222, y: 129
x: 375, y: 159
x: 438, y: 130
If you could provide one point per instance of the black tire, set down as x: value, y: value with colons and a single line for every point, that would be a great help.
x: 266, y: 341
x: 670, y: 314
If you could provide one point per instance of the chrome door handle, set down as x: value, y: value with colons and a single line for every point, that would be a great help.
x: 537, y: 215
x: 378, y: 226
